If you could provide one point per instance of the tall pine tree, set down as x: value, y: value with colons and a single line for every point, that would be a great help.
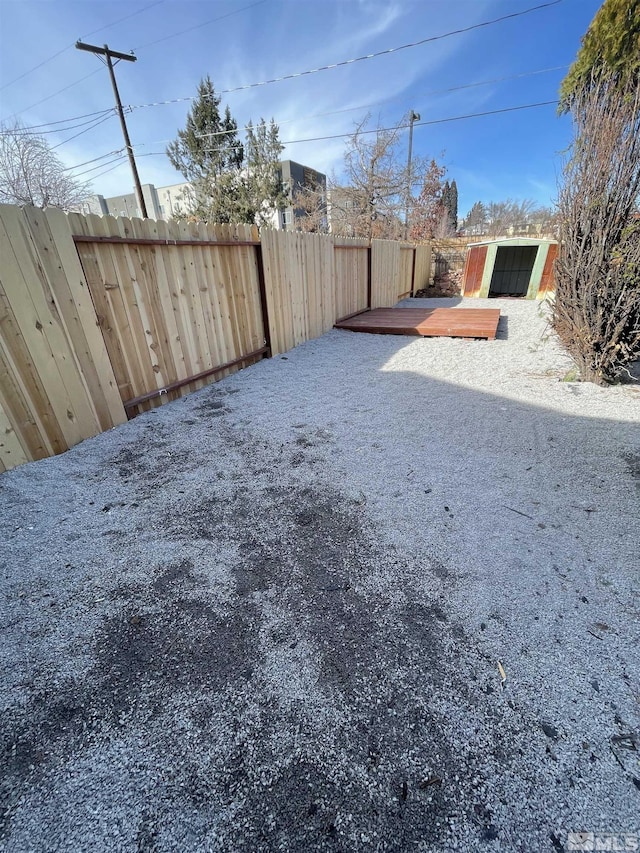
x: 264, y: 177
x: 209, y: 144
x: 227, y: 186
x: 453, y: 205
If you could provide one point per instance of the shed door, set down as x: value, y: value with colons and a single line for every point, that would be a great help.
x: 512, y: 270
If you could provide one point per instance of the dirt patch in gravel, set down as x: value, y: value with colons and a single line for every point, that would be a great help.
x: 387, y: 608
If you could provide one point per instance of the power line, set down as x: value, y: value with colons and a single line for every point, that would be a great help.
x: 397, y: 127
x: 69, y: 46
x: 95, y: 159
x: 24, y: 131
x: 101, y: 113
x: 121, y: 159
x: 125, y: 18
x: 358, y: 58
x: 425, y: 123
x: 110, y: 169
x: 378, y: 103
x: 59, y: 92
x: 198, y: 26
x: 76, y: 135
x: 35, y: 68
x: 63, y: 120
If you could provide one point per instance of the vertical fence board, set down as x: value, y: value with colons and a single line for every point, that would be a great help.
x: 405, y: 272
x: 11, y: 451
x: 25, y: 403
x: 385, y: 272
x: 59, y: 260
x: 423, y: 267
x: 42, y: 329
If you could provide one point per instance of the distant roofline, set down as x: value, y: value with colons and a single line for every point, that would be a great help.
x: 513, y: 240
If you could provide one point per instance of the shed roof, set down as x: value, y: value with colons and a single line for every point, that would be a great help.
x: 514, y: 241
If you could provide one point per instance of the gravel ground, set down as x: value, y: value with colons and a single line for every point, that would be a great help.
x: 273, y: 615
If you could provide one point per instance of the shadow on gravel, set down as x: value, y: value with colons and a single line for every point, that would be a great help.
x: 283, y: 678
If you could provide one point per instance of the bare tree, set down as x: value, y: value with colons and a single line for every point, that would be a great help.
x: 430, y: 217
x: 30, y: 173
x: 310, y: 206
x: 510, y: 216
x: 597, y: 305
x: 370, y: 201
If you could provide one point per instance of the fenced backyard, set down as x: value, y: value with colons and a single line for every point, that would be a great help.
x: 102, y: 318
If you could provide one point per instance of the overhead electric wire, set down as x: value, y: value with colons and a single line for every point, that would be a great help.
x: 95, y: 159
x: 120, y: 159
x: 120, y: 20
x: 343, y: 135
x: 110, y: 169
x: 377, y: 103
x: 69, y: 46
x: 358, y: 58
x: 65, y: 120
x: 24, y: 131
x: 424, y: 123
x: 53, y: 95
x: 198, y: 26
x: 388, y: 129
x: 76, y: 135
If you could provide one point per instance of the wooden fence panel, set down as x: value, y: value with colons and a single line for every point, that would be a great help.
x: 385, y: 273
x: 423, y: 267
x: 299, y: 272
x: 170, y: 312
x: 351, y: 277
x: 56, y: 384
x: 89, y: 325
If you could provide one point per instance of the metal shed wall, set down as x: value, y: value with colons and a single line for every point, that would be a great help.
x: 480, y: 264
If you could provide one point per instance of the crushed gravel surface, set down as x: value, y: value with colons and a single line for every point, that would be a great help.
x: 378, y: 594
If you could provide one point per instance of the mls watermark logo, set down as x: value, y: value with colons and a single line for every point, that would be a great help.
x: 605, y: 841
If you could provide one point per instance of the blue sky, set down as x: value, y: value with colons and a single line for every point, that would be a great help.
x: 512, y: 154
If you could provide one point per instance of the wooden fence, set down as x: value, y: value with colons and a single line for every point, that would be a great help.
x: 101, y: 318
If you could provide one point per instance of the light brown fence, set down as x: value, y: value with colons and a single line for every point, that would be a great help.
x: 101, y: 318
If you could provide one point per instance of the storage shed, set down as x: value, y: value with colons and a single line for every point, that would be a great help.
x: 518, y: 266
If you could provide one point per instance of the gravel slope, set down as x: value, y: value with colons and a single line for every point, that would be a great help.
x: 270, y: 616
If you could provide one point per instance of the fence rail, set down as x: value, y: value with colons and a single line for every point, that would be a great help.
x: 101, y: 318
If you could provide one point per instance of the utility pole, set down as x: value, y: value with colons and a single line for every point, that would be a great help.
x: 412, y: 117
x: 127, y: 57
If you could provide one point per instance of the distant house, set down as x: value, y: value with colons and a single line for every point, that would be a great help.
x: 298, y: 178
x: 167, y: 202
x: 161, y: 202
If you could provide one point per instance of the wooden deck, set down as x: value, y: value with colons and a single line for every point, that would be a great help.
x: 427, y: 322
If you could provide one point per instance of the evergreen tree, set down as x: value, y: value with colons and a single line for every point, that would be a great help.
x: 610, y: 48
x: 264, y: 177
x: 453, y: 205
x: 227, y: 186
x: 209, y: 144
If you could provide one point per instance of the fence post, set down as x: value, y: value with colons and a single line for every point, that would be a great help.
x: 369, y: 249
x: 263, y: 300
x: 413, y: 271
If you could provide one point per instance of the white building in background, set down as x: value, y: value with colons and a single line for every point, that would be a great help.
x: 161, y: 202
x: 166, y: 202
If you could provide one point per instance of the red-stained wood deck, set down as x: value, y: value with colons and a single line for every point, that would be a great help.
x: 427, y: 322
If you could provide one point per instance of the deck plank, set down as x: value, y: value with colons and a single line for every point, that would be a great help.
x: 427, y: 322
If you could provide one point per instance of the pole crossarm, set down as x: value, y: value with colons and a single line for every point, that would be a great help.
x: 109, y: 56
x: 103, y: 51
